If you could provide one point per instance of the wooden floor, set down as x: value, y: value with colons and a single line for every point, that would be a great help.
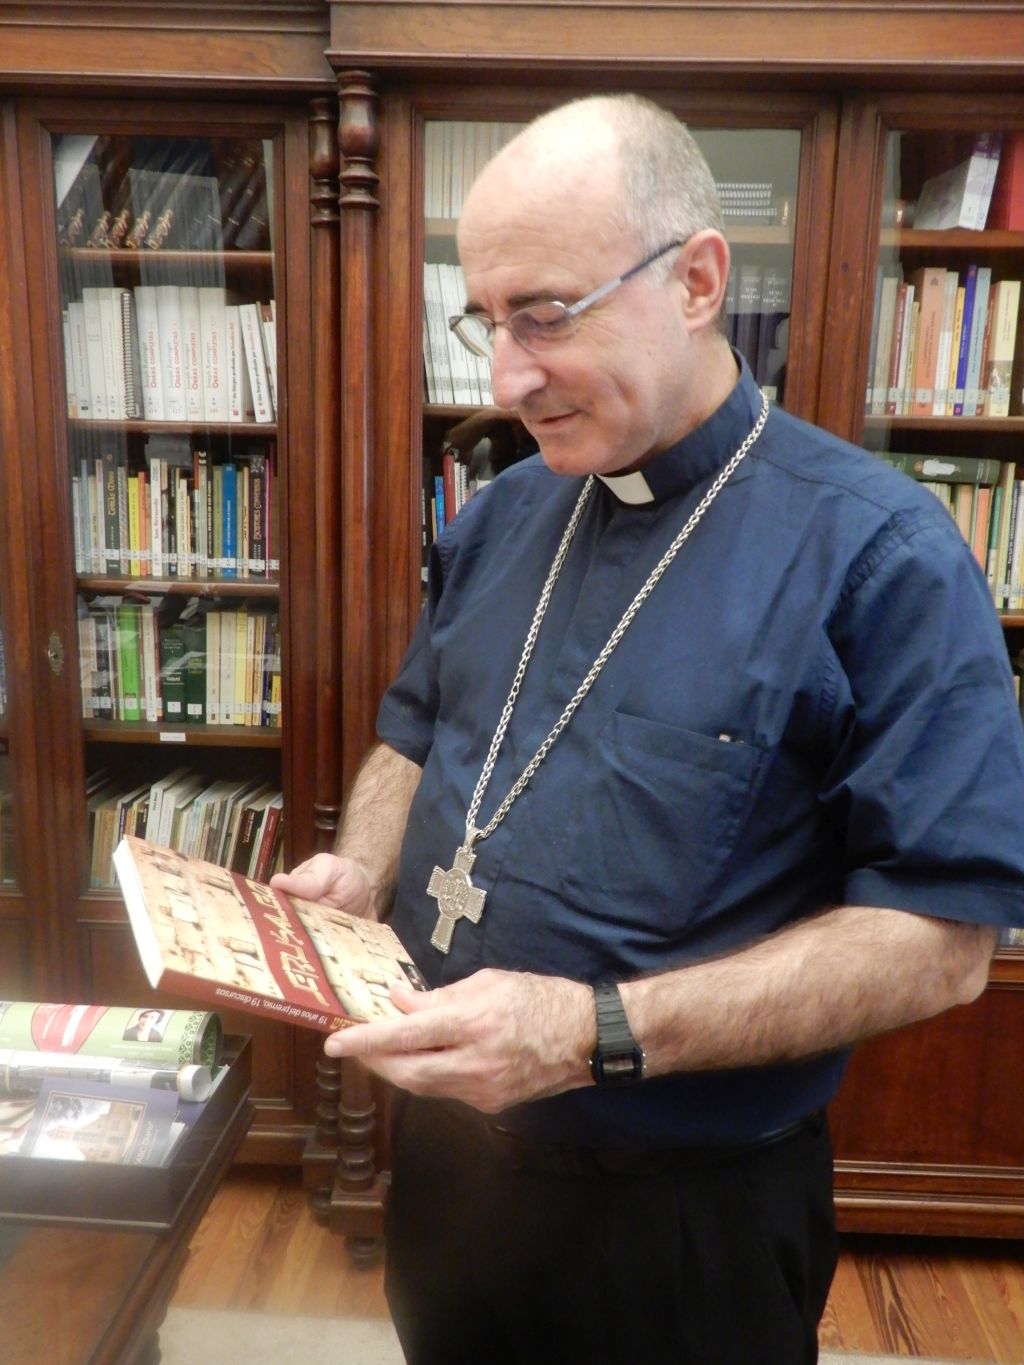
x: 259, y: 1249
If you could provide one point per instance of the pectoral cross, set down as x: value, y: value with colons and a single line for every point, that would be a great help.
x: 456, y: 897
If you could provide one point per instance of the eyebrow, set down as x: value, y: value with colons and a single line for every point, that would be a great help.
x: 524, y: 300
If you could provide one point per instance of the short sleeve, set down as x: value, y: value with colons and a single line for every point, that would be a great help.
x: 926, y: 789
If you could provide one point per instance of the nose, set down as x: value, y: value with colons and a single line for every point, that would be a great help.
x: 516, y: 373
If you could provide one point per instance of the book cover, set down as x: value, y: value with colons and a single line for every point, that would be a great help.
x: 944, y: 468
x: 960, y: 386
x: 956, y: 198
x: 139, y: 1033
x: 930, y: 287
x: 979, y: 313
x: 223, y: 938
x: 1002, y: 346
x: 82, y: 1120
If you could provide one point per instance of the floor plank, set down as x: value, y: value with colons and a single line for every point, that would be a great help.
x: 259, y: 1249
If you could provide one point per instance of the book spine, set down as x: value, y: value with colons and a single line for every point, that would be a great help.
x: 960, y: 386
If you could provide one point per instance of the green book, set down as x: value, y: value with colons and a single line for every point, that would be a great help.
x: 173, y: 649
x: 944, y: 468
x: 194, y: 633
x: 128, y: 662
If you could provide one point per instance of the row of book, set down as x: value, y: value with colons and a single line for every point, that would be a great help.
x: 169, y: 353
x: 445, y: 494
x: 237, y: 823
x: 179, y: 661
x: 757, y: 308
x: 452, y: 373
x: 986, y: 499
x: 943, y: 343
x: 182, y: 515
x: 984, y: 190
x: 153, y: 194
x: 751, y: 202
x: 454, y: 154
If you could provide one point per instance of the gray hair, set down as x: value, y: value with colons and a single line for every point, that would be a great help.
x: 668, y: 191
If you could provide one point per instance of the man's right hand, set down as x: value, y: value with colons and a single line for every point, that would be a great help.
x: 330, y: 880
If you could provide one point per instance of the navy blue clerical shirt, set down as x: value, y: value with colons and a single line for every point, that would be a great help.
x: 813, y: 708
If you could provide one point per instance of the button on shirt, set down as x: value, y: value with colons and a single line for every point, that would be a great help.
x: 814, y: 707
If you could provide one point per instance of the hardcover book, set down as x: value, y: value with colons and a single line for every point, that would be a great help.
x: 228, y: 940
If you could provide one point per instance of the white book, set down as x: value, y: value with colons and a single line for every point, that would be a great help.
x: 69, y: 364
x: 156, y: 521
x: 192, y: 352
x: 149, y: 352
x: 156, y: 794
x: 464, y: 387
x: 945, y: 344
x: 168, y: 309
x: 212, y: 302
x: 436, y: 328
x: 268, y: 313
x: 94, y: 352
x: 213, y: 667
x: 239, y: 390
x: 79, y: 359
x: 251, y: 324
x: 905, y: 348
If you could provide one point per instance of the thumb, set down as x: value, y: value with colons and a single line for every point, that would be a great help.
x: 410, y: 1001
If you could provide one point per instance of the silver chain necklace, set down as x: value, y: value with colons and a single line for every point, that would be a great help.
x: 455, y: 893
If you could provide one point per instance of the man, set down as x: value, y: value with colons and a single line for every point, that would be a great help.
x: 726, y: 733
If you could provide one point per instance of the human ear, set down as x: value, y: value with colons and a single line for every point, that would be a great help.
x: 703, y: 268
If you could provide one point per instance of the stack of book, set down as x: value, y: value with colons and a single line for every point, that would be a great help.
x: 169, y: 353
x: 747, y: 201
x: 179, y: 661
x: 236, y: 823
x: 452, y: 373
x: 943, y: 343
x: 454, y: 153
x: 118, y: 1085
x: 757, y: 307
x: 164, y: 194
x: 986, y: 499
x: 960, y: 197
x: 182, y: 515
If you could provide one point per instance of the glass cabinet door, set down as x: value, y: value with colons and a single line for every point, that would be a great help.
x: 757, y: 173
x: 168, y: 321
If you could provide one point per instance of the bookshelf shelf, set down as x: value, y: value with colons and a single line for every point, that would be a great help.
x: 143, y: 428
x: 186, y: 587
x: 175, y: 737
x: 243, y: 260
x: 953, y: 239
x: 978, y: 425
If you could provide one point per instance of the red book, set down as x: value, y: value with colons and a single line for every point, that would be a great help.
x: 219, y: 937
x: 1007, y: 207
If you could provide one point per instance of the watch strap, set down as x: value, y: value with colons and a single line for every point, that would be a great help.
x: 617, y: 1059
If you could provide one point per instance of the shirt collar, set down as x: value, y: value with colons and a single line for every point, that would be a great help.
x: 699, y: 455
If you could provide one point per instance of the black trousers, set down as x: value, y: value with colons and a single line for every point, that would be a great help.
x: 711, y: 1260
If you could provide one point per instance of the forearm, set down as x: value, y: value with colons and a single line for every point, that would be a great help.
x: 374, y: 819
x: 825, y: 983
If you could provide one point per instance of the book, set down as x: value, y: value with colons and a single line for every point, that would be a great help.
x: 140, y: 1033
x: 85, y: 1120
x: 963, y: 354
x: 883, y: 346
x: 226, y: 939
x: 748, y: 309
x: 957, y: 198
x: 1006, y: 211
x: 944, y: 468
x: 979, y: 313
x: 1003, y: 343
x: 930, y: 291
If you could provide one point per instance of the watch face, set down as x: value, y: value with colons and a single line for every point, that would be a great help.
x: 620, y: 1068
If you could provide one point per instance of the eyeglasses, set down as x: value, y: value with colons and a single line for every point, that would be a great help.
x: 542, y: 325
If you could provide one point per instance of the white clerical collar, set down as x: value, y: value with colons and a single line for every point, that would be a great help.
x: 632, y: 489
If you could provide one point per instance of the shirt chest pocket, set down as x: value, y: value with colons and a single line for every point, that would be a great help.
x: 657, y: 812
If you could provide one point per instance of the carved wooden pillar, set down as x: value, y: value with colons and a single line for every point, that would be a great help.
x: 357, y: 1200
x: 326, y: 348
x: 320, y: 1159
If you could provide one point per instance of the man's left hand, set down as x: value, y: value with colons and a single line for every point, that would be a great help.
x: 492, y: 1040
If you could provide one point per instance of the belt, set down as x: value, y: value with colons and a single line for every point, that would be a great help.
x: 550, y: 1158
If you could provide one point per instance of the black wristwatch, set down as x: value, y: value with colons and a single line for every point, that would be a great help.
x: 618, y: 1059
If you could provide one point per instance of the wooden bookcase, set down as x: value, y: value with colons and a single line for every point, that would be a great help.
x: 189, y: 90
x: 927, y: 1120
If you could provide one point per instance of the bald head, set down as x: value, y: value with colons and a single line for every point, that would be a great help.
x: 630, y: 161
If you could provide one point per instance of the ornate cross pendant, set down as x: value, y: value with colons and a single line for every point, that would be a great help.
x: 456, y: 897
